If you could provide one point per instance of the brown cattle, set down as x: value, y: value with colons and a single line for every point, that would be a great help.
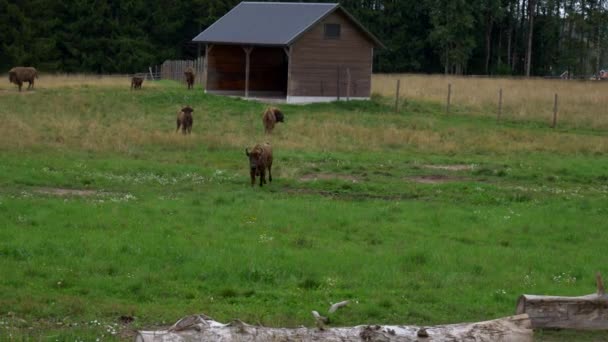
x: 260, y: 159
x: 271, y: 117
x: 18, y: 75
x: 189, y: 73
x: 136, y: 82
x: 185, y: 120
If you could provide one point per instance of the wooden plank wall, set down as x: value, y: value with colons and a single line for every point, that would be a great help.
x: 226, y: 68
x: 318, y: 65
x: 174, y: 70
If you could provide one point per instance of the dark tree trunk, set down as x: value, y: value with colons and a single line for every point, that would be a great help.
x: 532, y: 7
x: 489, y: 25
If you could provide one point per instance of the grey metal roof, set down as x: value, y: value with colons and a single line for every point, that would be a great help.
x: 269, y: 23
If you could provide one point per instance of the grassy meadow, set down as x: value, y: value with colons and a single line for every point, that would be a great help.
x: 416, y: 216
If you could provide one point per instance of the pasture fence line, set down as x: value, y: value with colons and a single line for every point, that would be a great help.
x: 174, y: 70
x: 554, y: 112
x: 343, y: 82
x: 551, y: 102
x: 397, y: 95
x: 499, y: 105
x: 449, y: 100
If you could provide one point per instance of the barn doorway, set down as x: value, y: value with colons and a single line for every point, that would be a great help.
x: 268, y: 70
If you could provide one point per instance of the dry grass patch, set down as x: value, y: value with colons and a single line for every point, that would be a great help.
x: 49, y: 81
x: 581, y: 103
x: 325, y: 135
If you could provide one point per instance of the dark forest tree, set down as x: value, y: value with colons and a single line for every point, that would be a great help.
x: 539, y: 37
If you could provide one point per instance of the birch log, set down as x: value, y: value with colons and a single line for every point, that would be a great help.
x: 202, y: 328
x: 582, y: 313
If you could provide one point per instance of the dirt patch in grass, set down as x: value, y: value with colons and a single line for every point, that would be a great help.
x: 436, y: 179
x: 350, y: 195
x: 453, y: 167
x: 328, y: 176
x: 65, y: 192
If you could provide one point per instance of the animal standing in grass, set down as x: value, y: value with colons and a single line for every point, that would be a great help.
x: 189, y: 73
x: 260, y: 159
x: 185, y: 120
x: 19, y: 75
x: 136, y: 82
x: 271, y: 117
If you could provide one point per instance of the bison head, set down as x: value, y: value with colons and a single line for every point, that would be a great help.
x: 12, y: 77
x: 188, y: 110
x: 279, y: 116
x: 253, y: 159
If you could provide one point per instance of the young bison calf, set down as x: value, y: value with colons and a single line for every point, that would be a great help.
x: 260, y: 159
x: 136, y: 82
x: 270, y: 118
x: 189, y: 73
x: 185, y: 120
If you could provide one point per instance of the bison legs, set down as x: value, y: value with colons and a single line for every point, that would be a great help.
x: 252, y: 174
x: 20, y: 84
x: 262, y: 177
x: 270, y: 173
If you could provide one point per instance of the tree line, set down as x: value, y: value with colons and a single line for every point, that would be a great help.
x: 494, y: 37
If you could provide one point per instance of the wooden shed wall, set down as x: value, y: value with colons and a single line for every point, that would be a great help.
x: 226, y: 68
x: 315, y: 61
x: 268, y: 69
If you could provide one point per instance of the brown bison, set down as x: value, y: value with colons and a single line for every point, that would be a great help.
x: 271, y: 117
x: 260, y: 159
x: 136, y: 82
x: 189, y: 73
x: 185, y: 120
x: 18, y: 75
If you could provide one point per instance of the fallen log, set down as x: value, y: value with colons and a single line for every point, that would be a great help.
x: 202, y: 328
x: 588, y: 312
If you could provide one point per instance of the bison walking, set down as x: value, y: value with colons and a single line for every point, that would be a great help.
x: 260, y: 159
x: 189, y: 73
x: 185, y: 120
x: 271, y: 117
x: 19, y: 75
x: 136, y: 82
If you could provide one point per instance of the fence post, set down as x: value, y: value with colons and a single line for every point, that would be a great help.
x: 397, y: 95
x: 338, y: 84
x: 447, y: 107
x: 347, y: 84
x: 554, y: 112
x: 151, y: 74
x: 499, y: 105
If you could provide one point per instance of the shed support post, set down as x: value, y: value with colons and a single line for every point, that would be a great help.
x: 247, y: 67
x: 288, y: 53
x: 208, y: 48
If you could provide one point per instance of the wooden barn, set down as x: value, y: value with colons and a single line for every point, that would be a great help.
x: 295, y: 52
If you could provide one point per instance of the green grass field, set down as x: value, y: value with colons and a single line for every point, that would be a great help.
x: 418, y: 217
